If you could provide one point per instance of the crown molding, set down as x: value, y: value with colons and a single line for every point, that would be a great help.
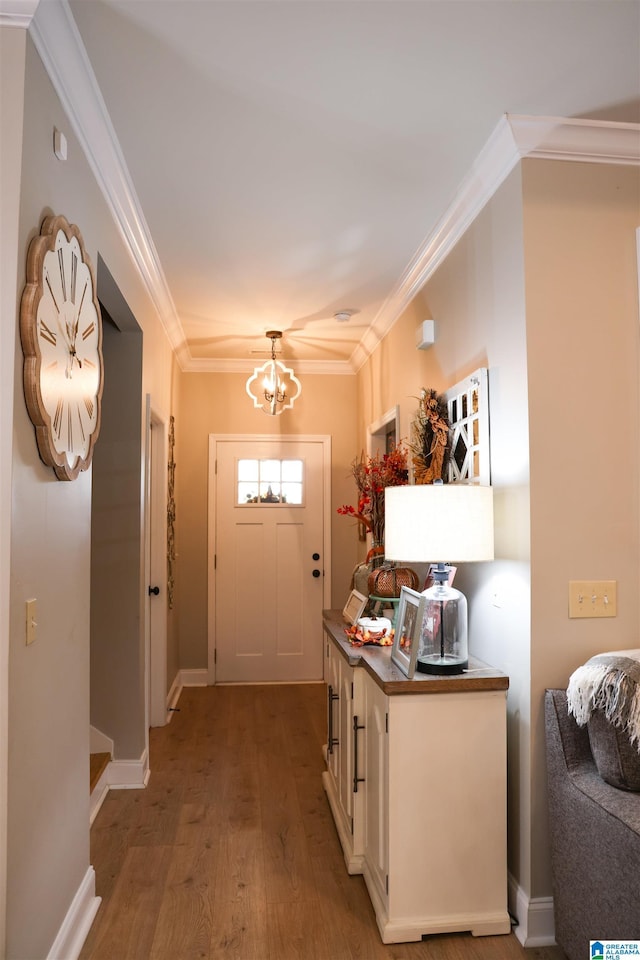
x: 17, y: 13
x: 302, y: 367
x: 514, y: 138
x: 589, y: 141
x: 59, y: 44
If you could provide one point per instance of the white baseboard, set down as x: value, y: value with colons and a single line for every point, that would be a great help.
x: 194, y: 678
x: 119, y: 775
x: 129, y: 774
x: 535, y: 925
x: 98, y: 795
x: 77, y: 923
x: 185, y: 678
x: 173, y: 696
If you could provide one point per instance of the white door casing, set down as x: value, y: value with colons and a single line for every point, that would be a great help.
x: 156, y: 570
x: 265, y: 604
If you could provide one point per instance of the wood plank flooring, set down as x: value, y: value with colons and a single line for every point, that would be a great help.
x: 231, y: 851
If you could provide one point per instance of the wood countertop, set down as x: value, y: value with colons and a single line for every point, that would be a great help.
x: 377, y: 662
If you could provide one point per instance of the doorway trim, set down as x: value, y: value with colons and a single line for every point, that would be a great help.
x: 156, y: 457
x: 377, y: 432
x: 214, y: 439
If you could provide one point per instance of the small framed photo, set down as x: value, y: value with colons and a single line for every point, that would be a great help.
x: 354, y: 606
x: 406, y: 640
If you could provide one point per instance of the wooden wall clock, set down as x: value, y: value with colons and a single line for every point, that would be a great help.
x: 61, y: 334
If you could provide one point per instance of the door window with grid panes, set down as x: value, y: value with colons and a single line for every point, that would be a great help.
x: 261, y: 482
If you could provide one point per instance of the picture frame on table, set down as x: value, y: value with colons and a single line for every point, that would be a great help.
x: 354, y: 606
x: 406, y: 640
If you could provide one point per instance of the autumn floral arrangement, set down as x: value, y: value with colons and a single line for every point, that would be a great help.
x: 372, y: 475
x: 359, y: 636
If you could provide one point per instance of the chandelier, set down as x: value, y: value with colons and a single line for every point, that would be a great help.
x: 273, y: 387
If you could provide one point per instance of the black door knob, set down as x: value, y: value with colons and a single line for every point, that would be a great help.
x: 154, y: 590
x: 316, y: 556
x: 316, y: 573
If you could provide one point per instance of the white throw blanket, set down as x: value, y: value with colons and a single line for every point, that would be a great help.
x: 608, y: 682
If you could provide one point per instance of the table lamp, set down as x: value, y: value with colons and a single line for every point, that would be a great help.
x: 433, y: 522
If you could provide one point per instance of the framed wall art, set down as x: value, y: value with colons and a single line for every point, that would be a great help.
x: 468, y: 412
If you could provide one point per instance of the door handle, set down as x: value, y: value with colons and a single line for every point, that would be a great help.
x: 356, y: 779
x: 154, y: 590
x: 331, y: 740
x: 315, y: 573
x: 315, y: 556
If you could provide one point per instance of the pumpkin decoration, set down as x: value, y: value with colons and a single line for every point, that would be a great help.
x: 387, y: 581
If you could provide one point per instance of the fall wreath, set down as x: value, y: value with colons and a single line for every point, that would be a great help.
x: 431, y: 441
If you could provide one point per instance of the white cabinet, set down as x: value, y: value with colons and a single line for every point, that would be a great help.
x: 427, y: 825
x: 376, y: 791
x: 343, y: 788
x: 435, y: 812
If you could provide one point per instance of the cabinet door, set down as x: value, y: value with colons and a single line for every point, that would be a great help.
x: 352, y: 761
x: 333, y: 712
x: 376, y: 794
x: 345, y: 713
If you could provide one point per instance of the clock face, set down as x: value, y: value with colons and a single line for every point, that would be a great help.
x: 61, y: 332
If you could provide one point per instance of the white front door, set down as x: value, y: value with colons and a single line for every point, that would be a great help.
x: 269, y: 566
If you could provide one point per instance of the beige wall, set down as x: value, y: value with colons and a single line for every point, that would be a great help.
x: 542, y: 290
x: 582, y: 341
x: 48, y: 706
x: 476, y: 298
x: 218, y: 403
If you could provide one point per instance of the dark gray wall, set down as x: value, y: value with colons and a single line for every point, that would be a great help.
x: 117, y: 602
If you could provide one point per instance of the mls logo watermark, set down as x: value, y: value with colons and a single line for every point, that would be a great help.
x: 613, y: 949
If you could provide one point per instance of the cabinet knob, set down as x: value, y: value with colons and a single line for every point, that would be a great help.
x: 316, y: 573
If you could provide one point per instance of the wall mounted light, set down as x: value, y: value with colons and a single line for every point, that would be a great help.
x: 273, y: 387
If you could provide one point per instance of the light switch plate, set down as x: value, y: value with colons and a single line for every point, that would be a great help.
x: 593, y: 598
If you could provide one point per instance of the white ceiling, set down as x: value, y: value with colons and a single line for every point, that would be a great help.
x: 289, y: 159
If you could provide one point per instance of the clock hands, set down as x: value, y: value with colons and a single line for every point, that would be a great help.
x: 72, y: 329
x: 67, y: 328
x: 73, y: 334
x: 69, y: 333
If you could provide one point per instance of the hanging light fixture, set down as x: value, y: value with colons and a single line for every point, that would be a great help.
x: 273, y: 387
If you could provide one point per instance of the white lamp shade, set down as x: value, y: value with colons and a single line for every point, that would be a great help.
x: 438, y: 523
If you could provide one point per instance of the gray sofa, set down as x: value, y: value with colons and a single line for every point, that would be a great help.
x: 595, y: 840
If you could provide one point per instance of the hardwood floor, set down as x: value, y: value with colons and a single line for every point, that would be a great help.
x: 231, y: 851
